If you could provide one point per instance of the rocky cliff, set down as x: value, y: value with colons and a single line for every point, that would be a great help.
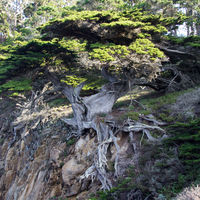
x: 40, y: 160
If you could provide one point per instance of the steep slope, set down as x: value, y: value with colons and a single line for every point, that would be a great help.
x: 39, y: 161
x: 92, y: 58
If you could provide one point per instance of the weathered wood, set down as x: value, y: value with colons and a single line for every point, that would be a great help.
x: 86, y: 110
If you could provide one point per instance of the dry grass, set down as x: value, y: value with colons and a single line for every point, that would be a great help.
x: 186, y: 103
x: 192, y: 193
x: 45, y: 114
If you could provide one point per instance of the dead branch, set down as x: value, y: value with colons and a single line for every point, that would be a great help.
x: 152, y: 119
x: 177, y: 53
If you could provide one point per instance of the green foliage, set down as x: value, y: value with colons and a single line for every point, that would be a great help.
x: 178, y: 18
x: 154, y: 29
x: 124, y: 185
x: 143, y: 35
x: 186, y: 136
x: 71, y: 142
x: 91, y: 83
x: 112, y: 19
x: 166, y: 117
x: 131, y: 115
x: 107, y: 52
x: 159, y: 102
x: 17, y: 85
x: 101, y: 5
x: 1, y: 141
x: 43, y: 9
x: 87, y: 15
x: 35, y: 53
x: 123, y: 23
x: 73, y: 80
x: 58, y: 198
x: 193, y: 41
x: 73, y: 45
x: 174, y: 188
x: 145, y: 46
x: 58, y: 102
x: 111, y: 52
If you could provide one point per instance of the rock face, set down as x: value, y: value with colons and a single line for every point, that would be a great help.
x: 43, y: 163
x: 54, y: 168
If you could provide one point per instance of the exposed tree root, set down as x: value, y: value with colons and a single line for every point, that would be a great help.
x: 106, y: 132
x: 106, y: 137
x: 86, y: 111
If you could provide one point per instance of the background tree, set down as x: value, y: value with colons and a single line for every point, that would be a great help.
x: 171, y: 8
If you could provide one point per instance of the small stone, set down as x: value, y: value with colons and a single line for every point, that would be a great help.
x: 71, y: 170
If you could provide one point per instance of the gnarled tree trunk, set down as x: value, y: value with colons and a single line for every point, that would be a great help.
x: 86, y: 110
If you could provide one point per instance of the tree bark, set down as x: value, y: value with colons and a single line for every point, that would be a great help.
x: 85, y: 109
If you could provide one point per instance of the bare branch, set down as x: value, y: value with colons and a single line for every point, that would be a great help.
x: 177, y: 52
